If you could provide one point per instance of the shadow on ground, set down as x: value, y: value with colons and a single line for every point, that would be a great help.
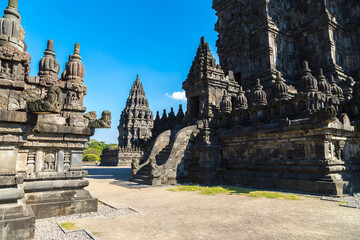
x: 120, y: 175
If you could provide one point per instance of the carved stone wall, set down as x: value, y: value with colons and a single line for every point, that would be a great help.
x: 258, y: 38
x: 43, y: 132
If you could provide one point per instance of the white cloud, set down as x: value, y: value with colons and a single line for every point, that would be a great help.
x: 177, y: 96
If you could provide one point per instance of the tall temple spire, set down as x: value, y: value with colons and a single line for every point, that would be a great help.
x: 136, y: 120
x: 203, y: 61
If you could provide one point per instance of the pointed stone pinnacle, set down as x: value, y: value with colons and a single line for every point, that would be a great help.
x: 50, y: 45
x: 202, y: 40
x: 279, y: 77
x: 306, y: 67
x: 332, y: 80
x: 13, y: 4
x: 77, y: 49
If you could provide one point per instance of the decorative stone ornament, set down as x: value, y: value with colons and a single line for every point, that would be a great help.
x: 44, y: 154
x: 226, y: 104
x: 308, y: 82
x: 75, y: 70
x: 280, y: 90
x: 258, y: 95
x: 10, y: 26
x: 241, y: 102
x: 335, y: 89
x: 49, y: 67
x: 323, y: 85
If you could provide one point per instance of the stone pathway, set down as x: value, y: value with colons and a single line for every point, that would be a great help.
x: 190, y: 215
x: 163, y: 214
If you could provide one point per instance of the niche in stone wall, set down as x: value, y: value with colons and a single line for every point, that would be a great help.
x: 49, y: 162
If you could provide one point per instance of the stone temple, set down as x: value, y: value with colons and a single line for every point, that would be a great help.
x: 280, y: 111
x: 136, y: 123
x: 43, y: 131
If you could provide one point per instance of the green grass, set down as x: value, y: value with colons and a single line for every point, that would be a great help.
x: 233, y: 191
x: 69, y: 226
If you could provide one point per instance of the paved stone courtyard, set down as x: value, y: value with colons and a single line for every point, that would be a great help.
x: 189, y: 215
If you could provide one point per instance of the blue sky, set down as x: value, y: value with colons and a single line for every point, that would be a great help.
x: 119, y: 39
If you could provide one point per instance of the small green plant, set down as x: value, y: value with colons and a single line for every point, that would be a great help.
x: 69, y: 226
x: 90, y: 158
x: 233, y: 191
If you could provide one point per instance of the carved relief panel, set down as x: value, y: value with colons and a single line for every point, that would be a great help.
x: 49, y: 162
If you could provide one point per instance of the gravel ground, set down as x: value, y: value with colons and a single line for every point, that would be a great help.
x: 349, y: 201
x: 48, y: 229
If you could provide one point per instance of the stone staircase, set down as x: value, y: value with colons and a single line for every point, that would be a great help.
x: 159, y: 166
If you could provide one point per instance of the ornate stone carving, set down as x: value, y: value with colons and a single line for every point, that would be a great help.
x: 49, y: 67
x: 50, y: 104
x: 67, y: 161
x: 31, y: 158
x: 49, y: 162
x: 103, y: 122
x: 4, y: 100
x: 136, y: 117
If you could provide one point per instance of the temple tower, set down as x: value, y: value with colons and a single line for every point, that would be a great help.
x: 205, y: 85
x: 259, y: 38
x: 136, y: 119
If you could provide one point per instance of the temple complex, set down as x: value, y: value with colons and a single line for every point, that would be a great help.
x: 44, y: 130
x: 280, y: 111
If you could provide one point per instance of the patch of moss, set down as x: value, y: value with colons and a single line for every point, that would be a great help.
x: 69, y: 226
x: 233, y: 191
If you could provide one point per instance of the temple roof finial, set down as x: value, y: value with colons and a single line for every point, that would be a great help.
x: 11, y: 12
x: 77, y: 48
x: 13, y: 4
x: 306, y: 67
x: 202, y: 40
x: 137, y: 77
x: 50, y: 45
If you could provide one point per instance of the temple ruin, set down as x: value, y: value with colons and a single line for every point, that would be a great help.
x: 280, y: 111
x: 44, y: 130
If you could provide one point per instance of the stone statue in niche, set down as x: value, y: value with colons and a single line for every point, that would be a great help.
x: 5, y: 70
x: 50, y: 104
x: 49, y: 162
x: 103, y: 122
x: 339, y: 153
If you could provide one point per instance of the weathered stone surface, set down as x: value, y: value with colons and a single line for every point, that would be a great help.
x: 43, y: 132
x: 261, y: 119
x: 136, y: 123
